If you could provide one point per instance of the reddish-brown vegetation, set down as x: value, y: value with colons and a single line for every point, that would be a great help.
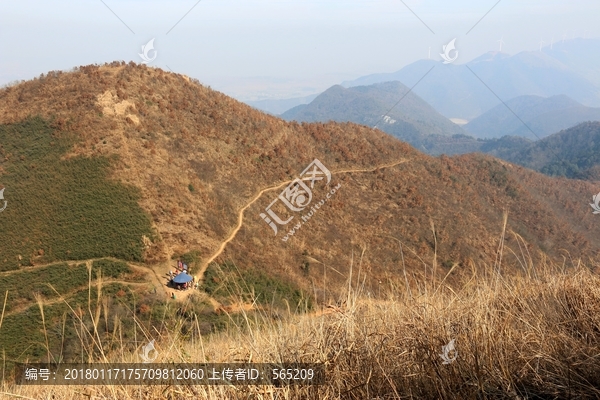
x: 171, y: 133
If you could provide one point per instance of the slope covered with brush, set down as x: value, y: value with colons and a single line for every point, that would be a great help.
x: 573, y: 152
x: 198, y: 161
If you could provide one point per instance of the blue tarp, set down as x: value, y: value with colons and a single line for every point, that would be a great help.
x: 182, y: 278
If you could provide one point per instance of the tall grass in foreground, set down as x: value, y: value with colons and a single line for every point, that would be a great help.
x: 532, y: 335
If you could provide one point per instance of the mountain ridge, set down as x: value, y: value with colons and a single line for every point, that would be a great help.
x: 135, y: 168
x: 526, y: 73
x: 573, y: 152
x: 538, y: 117
x: 197, y: 157
x: 411, y: 120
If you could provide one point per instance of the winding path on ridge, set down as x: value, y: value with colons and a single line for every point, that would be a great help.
x: 240, y: 218
x: 156, y: 279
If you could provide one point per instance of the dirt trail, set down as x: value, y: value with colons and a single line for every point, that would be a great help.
x: 234, y: 232
x: 182, y: 295
x: 64, y: 296
x: 71, y: 263
x: 154, y: 278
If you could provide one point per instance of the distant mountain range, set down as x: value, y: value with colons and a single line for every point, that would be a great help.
x: 580, y: 55
x: 374, y: 104
x: 538, y: 117
x: 412, y: 120
x: 457, y: 91
x: 549, y: 91
x: 466, y: 91
x: 497, y: 132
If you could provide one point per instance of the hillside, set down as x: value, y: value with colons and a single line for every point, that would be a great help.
x: 504, y: 147
x: 455, y: 92
x: 63, y: 209
x: 135, y: 164
x: 544, y: 116
x: 196, y: 157
x: 412, y: 120
x: 367, y: 104
x: 574, y: 152
x: 581, y: 55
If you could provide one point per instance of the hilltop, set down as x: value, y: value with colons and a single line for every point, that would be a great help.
x: 367, y: 105
x: 412, y: 120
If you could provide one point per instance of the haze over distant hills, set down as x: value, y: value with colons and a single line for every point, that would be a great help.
x: 571, y: 68
x: 414, y: 121
x: 368, y: 104
x: 581, y: 55
x: 544, y: 116
x: 277, y: 107
x: 454, y: 91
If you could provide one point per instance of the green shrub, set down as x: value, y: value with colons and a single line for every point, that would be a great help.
x: 63, y: 209
x: 110, y: 268
x: 22, y: 285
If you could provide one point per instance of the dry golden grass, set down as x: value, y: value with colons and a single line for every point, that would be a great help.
x: 529, y: 335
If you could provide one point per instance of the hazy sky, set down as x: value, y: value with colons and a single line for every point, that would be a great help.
x: 275, y: 48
